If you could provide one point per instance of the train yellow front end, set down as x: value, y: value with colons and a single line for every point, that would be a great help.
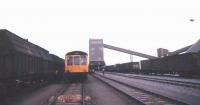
x: 76, y: 65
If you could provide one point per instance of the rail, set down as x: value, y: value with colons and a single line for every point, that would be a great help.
x: 73, y: 94
x: 173, y: 82
x: 142, y: 96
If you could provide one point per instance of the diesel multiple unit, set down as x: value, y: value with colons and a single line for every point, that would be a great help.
x: 76, y: 65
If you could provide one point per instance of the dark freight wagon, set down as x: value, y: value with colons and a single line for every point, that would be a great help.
x: 184, y: 64
x: 57, y: 66
x: 24, y: 61
x: 110, y: 68
x: 187, y: 64
x: 152, y: 66
x: 124, y: 67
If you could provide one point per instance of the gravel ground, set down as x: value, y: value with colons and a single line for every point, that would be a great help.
x: 102, y: 94
x: 35, y: 96
x: 97, y: 92
x: 41, y: 95
x: 14, y: 95
x: 163, y: 77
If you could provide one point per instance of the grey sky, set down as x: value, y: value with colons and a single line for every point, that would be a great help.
x: 61, y: 26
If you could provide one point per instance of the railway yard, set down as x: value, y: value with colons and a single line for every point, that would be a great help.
x: 100, y: 52
x: 30, y: 75
x: 112, y: 89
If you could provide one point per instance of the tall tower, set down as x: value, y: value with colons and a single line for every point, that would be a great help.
x: 96, y: 54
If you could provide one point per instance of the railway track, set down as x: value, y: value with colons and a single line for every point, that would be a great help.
x: 142, y: 96
x: 173, y: 82
x: 72, y: 94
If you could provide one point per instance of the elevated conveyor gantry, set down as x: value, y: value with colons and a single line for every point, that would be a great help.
x: 128, y: 51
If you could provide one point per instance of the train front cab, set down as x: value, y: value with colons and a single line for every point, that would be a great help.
x: 76, y: 67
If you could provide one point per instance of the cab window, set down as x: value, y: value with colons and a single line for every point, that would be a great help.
x: 83, y: 60
x: 76, y: 60
x: 69, y: 60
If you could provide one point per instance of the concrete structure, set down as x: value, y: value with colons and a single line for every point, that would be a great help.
x: 162, y: 52
x: 96, y: 54
x: 128, y: 51
x: 194, y: 48
x: 179, y: 50
x: 96, y: 50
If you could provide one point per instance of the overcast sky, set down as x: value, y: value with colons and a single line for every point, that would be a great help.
x: 61, y: 26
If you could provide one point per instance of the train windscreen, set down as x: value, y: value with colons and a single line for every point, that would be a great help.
x: 76, y: 60
x: 69, y: 60
x: 83, y: 60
